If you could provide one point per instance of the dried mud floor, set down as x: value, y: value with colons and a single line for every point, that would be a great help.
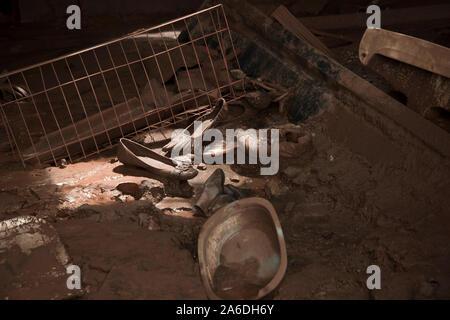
x: 351, y: 202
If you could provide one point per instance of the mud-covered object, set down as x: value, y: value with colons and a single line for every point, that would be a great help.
x: 237, y: 74
x: 192, y: 133
x: 11, y: 92
x: 212, y: 188
x: 33, y: 261
x: 423, y: 90
x: 294, y: 142
x: 258, y: 99
x: 134, y: 154
x: 215, y: 194
x: 413, y: 51
x: 242, y: 251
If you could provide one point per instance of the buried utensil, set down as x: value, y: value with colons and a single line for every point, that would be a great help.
x: 242, y: 251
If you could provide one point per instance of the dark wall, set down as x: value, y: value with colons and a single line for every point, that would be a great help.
x: 51, y: 10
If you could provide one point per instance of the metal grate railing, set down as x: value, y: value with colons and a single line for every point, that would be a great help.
x: 80, y: 104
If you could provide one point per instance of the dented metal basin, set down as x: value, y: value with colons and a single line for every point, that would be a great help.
x: 241, y: 250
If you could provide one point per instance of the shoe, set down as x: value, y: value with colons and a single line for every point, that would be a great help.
x: 212, y: 188
x: 135, y: 154
x: 207, y: 121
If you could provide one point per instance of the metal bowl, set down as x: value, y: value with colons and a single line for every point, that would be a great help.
x: 241, y: 250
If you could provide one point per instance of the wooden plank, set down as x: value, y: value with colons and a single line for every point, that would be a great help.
x: 291, y: 23
x: 388, y: 18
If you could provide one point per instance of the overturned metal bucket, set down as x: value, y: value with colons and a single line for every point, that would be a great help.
x: 241, y: 250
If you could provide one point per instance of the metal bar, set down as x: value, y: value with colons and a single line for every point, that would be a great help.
x: 95, y: 97
x: 82, y: 105
x: 67, y: 106
x: 173, y: 68
x: 162, y: 78
x: 148, y: 78
x: 109, y: 92
x: 198, y: 61
x: 219, y: 40
x: 54, y: 116
x: 231, y: 38
x: 7, y: 129
x: 24, y: 121
x: 185, y: 65
x: 209, y: 55
x: 39, y: 117
x: 134, y: 80
x: 121, y: 86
